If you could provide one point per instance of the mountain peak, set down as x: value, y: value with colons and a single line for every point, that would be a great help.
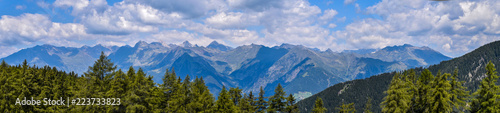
x: 407, y: 45
x: 213, y: 43
x: 99, y: 45
x: 329, y: 50
x: 397, y: 47
x: 216, y: 45
x: 186, y: 44
x: 141, y: 43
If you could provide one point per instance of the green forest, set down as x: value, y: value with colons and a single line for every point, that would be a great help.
x: 135, y: 89
x: 442, y: 93
x: 426, y: 93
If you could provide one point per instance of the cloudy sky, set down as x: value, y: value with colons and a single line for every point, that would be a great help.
x: 452, y: 27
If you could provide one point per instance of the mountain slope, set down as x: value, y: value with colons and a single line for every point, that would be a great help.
x: 297, y: 68
x: 61, y: 57
x: 471, y: 69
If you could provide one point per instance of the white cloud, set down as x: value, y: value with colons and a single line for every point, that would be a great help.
x: 124, y: 19
x: 453, y: 27
x: 331, y: 25
x: 235, y: 36
x: 81, y: 6
x: 328, y: 14
x: 232, y: 20
x: 20, y: 7
x: 30, y: 28
x: 349, y: 1
x: 186, y: 8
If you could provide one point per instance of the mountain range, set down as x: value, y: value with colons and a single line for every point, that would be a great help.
x: 301, y: 70
x: 471, y: 70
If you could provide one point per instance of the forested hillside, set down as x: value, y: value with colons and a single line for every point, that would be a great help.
x: 471, y: 70
x: 125, y: 91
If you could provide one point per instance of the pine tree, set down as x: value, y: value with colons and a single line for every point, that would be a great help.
x: 235, y: 94
x: 4, y: 64
x: 251, y: 100
x: 410, y: 81
x: 261, y: 102
x: 423, y: 89
x: 244, y: 105
x: 102, y: 67
x: 291, y: 107
x: 458, y: 92
x: 368, y: 106
x: 276, y: 102
x: 117, y: 90
x: 206, y: 99
x: 346, y: 108
x: 177, y: 99
x: 487, y: 94
x: 99, y: 76
x: 224, y: 104
x: 318, y: 106
x: 440, y: 97
x: 397, y: 98
x: 188, y: 96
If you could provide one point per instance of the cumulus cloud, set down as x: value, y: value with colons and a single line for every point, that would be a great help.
x: 125, y: 18
x: 186, y: 8
x: 257, y: 5
x: 453, y: 27
x: 82, y: 6
x: 232, y: 20
x: 29, y: 28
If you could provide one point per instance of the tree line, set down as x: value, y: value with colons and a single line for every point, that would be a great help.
x: 137, y: 91
x: 442, y: 93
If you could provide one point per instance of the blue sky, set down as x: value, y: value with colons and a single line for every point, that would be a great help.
x: 451, y: 27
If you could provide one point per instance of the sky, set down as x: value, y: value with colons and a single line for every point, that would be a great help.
x: 451, y: 27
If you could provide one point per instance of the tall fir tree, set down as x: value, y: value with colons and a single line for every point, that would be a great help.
x: 99, y: 75
x: 202, y: 99
x: 291, y: 107
x: 244, y: 105
x: 410, y: 81
x: 177, y: 98
x: 224, y: 104
x: 277, y: 101
x: 440, y: 96
x: 4, y: 64
x: 423, y: 91
x: 102, y: 67
x: 117, y: 90
x: 251, y: 100
x: 486, y: 100
x: 188, y: 96
x: 318, y: 106
x: 235, y: 94
x: 261, y: 102
x: 459, y: 93
x: 397, y: 98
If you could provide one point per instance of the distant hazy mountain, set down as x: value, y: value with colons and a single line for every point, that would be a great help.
x: 64, y: 58
x: 299, y: 69
x: 471, y: 69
